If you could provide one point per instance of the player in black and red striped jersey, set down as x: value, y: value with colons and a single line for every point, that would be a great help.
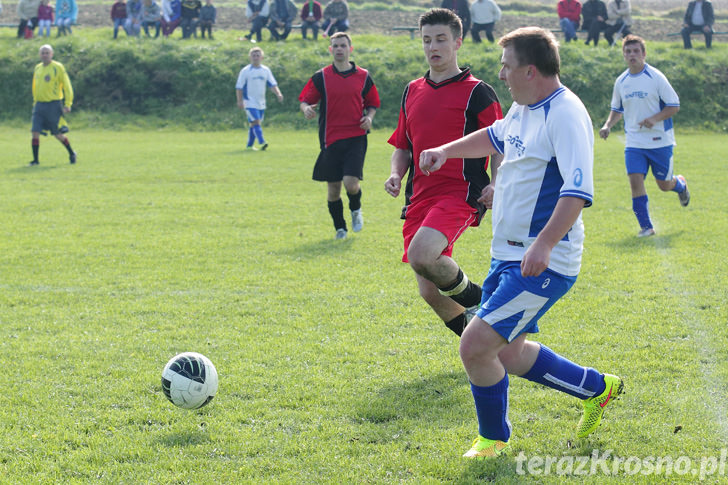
x: 347, y: 101
x: 444, y: 105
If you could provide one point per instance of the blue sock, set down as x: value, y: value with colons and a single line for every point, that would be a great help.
x: 679, y: 186
x: 258, y: 130
x: 640, y: 208
x: 491, y: 405
x: 556, y: 372
x: 251, y: 136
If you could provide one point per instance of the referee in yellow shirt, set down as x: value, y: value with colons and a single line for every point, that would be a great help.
x: 52, y: 97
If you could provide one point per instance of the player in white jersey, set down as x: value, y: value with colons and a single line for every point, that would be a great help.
x: 250, y: 89
x: 645, y: 98
x: 541, y: 186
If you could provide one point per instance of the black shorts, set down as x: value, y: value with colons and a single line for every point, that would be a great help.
x: 343, y: 157
x: 46, y: 116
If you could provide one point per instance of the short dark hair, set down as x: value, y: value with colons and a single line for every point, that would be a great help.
x: 534, y: 46
x: 339, y: 35
x: 443, y: 16
x: 634, y: 39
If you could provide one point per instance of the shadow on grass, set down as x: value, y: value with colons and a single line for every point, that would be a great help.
x: 28, y: 169
x: 185, y: 438
x: 499, y: 470
x: 662, y: 240
x: 315, y: 249
x: 432, y: 397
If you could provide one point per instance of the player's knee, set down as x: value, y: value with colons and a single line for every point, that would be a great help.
x: 351, y: 184
x: 473, y: 350
x: 420, y: 260
x: 480, y: 342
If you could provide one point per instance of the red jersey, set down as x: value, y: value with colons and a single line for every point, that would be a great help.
x: 343, y: 98
x: 433, y: 114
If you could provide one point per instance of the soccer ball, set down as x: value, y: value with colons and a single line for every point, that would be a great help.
x: 189, y: 380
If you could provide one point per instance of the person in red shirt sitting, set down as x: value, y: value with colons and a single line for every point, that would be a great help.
x: 569, y: 15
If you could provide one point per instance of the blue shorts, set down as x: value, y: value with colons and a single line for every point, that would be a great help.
x: 512, y: 304
x: 255, y: 114
x: 638, y: 160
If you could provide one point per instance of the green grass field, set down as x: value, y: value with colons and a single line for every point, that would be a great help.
x: 332, y: 370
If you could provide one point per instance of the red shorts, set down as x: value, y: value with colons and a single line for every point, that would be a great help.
x: 449, y: 215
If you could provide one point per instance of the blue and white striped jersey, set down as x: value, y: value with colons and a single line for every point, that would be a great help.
x: 253, y: 81
x: 548, y: 150
x: 639, y: 96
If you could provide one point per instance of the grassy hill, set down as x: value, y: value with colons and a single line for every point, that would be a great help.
x: 192, y: 83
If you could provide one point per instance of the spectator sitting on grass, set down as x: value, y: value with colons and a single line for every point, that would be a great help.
x: 257, y: 12
x: 699, y: 17
x: 569, y: 16
x: 171, y: 13
x: 310, y: 17
x: 66, y: 14
x: 619, y: 19
x: 151, y: 17
x: 336, y: 17
x: 594, y: 13
x: 28, y: 15
x: 282, y: 13
x: 133, y: 17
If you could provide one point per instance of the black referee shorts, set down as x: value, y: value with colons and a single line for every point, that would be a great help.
x: 46, y: 116
x: 343, y: 157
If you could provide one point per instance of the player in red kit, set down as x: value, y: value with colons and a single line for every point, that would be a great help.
x: 444, y: 105
x: 347, y: 101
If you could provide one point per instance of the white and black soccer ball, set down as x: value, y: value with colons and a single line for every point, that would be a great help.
x: 189, y: 380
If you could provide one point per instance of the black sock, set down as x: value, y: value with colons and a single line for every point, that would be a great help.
x: 67, y: 144
x: 35, y: 146
x: 457, y: 324
x: 354, y: 201
x: 336, y: 209
x: 463, y: 291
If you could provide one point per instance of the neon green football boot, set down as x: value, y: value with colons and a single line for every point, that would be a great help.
x: 485, y: 449
x: 594, y: 406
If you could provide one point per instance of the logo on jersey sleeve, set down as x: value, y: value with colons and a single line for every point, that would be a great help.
x: 578, y: 177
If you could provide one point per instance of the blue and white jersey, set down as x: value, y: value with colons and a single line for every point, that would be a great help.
x: 548, y: 150
x: 639, y: 96
x: 253, y: 81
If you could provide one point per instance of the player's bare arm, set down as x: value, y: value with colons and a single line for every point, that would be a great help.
x: 278, y: 93
x: 537, y: 256
x: 486, y: 195
x: 399, y: 164
x: 475, y: 145
x: 308, y: 111
x: 667, y: 112
x: 612, y: 120
x: 365, y: 123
